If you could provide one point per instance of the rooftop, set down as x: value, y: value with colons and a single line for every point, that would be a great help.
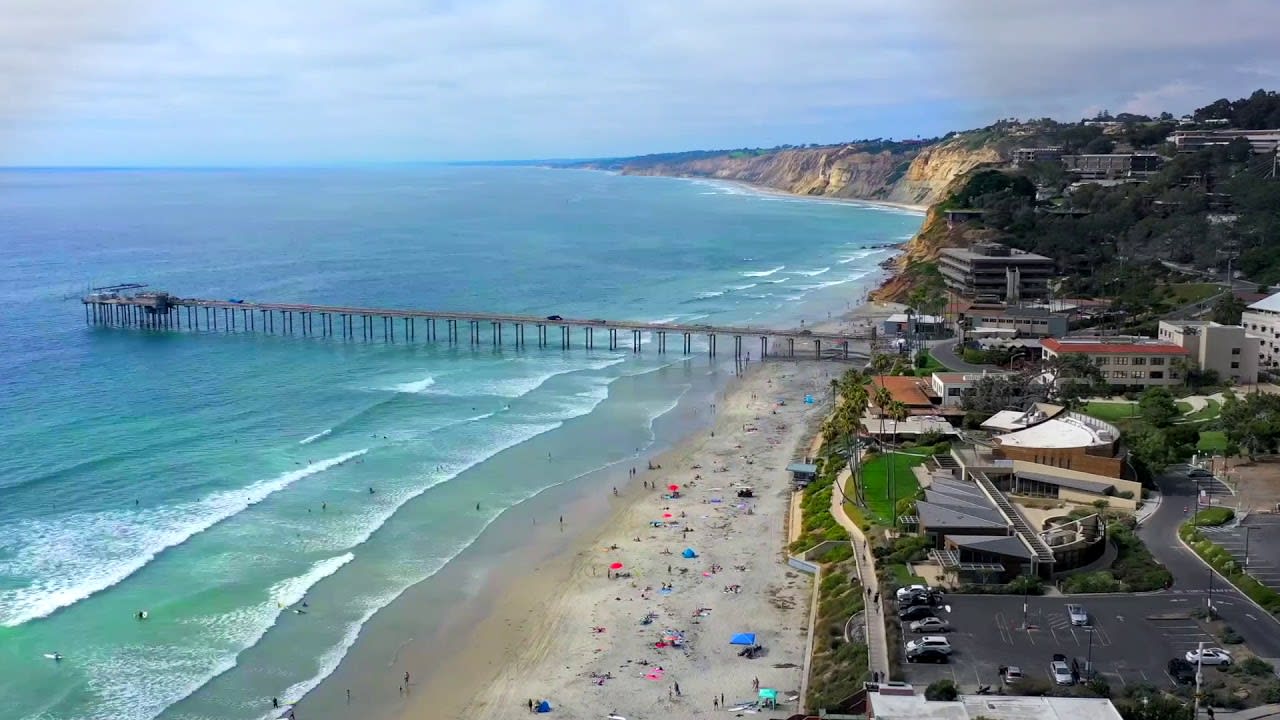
x: 1013, y: 420
x: 908, y: 390
x: 1014, y: 256
x: 1271, y: 303
x: 1008, y: 545
x: 1070, y: 430
x: 1073, y: 483
x: 892, y: 704
x: 922, y: 319
x: 1109, y: 345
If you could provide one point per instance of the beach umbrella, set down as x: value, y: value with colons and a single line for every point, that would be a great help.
x: 689, y: 553
x: 615, y: 566
x: 667, y: 515
x: 743, y: 639
x: 673, y: 488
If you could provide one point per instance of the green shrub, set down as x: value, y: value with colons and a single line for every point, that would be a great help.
x: 1229, y: 636
x: 944, y: 689
x: 1213, y: 517
x: 1256, y: 667
x: 1101, y: 581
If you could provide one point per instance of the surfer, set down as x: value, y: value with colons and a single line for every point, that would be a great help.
x: 142, y: 614
x: 370, y: 491
x: 477, y: 506
x: 57, y: 657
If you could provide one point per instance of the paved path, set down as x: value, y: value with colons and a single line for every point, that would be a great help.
x: 1260, y: 629
x: 877, y: 646
x: 944, y: 352
x: 1257, y: 713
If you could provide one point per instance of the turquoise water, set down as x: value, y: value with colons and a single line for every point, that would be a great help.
x: 219, y: 480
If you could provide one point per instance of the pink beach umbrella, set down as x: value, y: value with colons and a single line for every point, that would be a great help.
x: 673, y: 488
x: 615, y: 566
x: 667, y: 515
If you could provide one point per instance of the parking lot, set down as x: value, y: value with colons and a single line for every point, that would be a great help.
x: 1133, y: 638
x: 1260, y: 536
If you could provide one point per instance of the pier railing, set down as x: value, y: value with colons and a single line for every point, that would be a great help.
x: 162, y: 311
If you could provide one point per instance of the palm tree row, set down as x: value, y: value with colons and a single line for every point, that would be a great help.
x: 845, y: 423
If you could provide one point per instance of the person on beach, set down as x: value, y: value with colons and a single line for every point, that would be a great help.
x: 477, y: 506
x: 275, y: 702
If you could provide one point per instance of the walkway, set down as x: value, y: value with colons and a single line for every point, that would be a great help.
x: 877, y: 645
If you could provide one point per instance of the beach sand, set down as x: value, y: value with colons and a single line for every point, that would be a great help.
x: 554, y: 632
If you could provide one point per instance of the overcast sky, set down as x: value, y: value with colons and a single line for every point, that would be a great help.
x: 93, y: 82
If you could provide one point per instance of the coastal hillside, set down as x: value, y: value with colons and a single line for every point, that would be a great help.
x: 912, y: 172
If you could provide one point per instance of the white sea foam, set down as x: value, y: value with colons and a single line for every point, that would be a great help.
x: 519, y: 386
x: 416, y: 386
x: 809, y: 273
x: 779, y: 280
x: 709, y: 294
x: 762, y: 273
x: 291, y: 591
x: 312, y: 438
x: 69, y: 558
x: 748, y: 286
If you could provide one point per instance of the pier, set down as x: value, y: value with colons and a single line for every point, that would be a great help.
x: 129, y: 306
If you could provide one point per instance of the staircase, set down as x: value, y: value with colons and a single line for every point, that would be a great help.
x: 1024, y: 531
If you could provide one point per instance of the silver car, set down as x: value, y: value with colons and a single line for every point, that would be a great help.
x: 1078, y: 615
x: 1061, y: 673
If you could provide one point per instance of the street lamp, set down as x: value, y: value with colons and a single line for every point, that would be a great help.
x: 1246, y: 547
x: 1088, y: 661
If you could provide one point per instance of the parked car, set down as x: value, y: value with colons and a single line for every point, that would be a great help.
x: 931, y: 624
x: 927, y: 655
x: 554, y: 317
x: 917, y: 612
x: 1077, y: 614
x: 1012, y: 674
x: 937, y: 642
x: 914, y: 599
x: 908, y: 590
x: 1196, y: 472
x: 1182, y: 672
x: 1061, y: 673
x: 1209, y: 656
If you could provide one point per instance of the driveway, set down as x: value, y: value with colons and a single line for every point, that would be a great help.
x: 944, y: 352
x: 1193, y: 579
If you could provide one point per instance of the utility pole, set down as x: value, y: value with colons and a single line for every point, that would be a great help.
x: 1246, y: 547
x: 1088, y: 662
x: 1195, y: 707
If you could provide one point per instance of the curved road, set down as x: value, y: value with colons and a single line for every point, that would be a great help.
x: 1260, y: 629
x: 945, y: 353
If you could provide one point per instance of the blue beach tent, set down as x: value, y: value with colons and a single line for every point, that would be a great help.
x: 689, y: 553
x: 743, y: 639
x: 544, y: 707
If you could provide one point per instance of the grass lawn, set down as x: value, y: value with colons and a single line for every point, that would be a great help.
x: 1112, y: 411
x: 1212, y: 441
x: 875, y: 476
x: 931, y: 366
x: 1192, y: 292
x: 1209, y: 412
x: 902, y: 577
x: 1184, y: 407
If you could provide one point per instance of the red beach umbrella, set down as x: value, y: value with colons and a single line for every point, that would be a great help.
x: 667, y: 515
x: 616, y: 566
x: 673, y: 488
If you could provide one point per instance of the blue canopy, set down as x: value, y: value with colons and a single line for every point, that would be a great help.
x: 743, y: 639
x: 689, y: 553
x: 544, y: 707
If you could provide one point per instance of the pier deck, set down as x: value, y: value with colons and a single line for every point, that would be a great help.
x: 163, y: 311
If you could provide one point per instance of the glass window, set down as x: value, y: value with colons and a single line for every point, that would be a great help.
x: 1122, y: 361
x: 1138, y: 374
x: 1235, y: 351
x: 1235, y: 365
x: 1139, y: 361
x: 1157, y: 361
x: 1157, y: 374
x: 1101, y: 360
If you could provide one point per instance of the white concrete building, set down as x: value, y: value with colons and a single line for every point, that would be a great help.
x: 1262, y: 321
x: 1225, y: 349
x: 952, y: 387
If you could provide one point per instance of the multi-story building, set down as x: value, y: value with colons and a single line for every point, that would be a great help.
x: 1127, y: 165
x: 1261, y: 141
x: 1126, y: 362
x: 991, y: 270
x: 1032, y: 155
x: 1022, y: 322
x: 1262, y: 321
x: 1225, y: 349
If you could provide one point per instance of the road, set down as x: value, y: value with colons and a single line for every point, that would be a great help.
x: 1260, y: 629
x: 945, y: 353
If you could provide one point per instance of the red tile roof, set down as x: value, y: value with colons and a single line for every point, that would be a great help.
x: 908, y: 390
x: 1114, y: 348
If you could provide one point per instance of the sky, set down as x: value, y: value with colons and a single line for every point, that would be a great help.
x: 236, y: 82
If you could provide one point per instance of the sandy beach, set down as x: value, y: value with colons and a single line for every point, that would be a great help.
x: 592, y: 640
x: 766, y: 190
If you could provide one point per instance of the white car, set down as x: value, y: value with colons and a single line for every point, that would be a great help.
x: 1078, y: 615
x: 911, y: 589
x: 1012, y: 674
x: 1061, y: 673
x: 930, y: 624
x: 932, y: 642
x: 1209, y: 656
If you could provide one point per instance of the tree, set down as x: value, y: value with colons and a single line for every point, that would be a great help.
x: 1071, y: 378
x: 1227, y: 309
x: 1158, y: 407
x: 1099, y: 146
x: 898, y: 412
x: 1252, y: 423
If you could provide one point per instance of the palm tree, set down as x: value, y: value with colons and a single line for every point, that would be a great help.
x: 898, y: 412
x: 855, y: 406
x: 884, y: 400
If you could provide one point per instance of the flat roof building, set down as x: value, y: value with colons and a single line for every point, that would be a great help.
x: 1112, y: 166
x: 1260, y: 141
x: 992, y: 270
x: 1021, y: 321
x: 1261, y: 320
x: 898, y: 701
x: 1031, y: 155
x: 1225, y: 349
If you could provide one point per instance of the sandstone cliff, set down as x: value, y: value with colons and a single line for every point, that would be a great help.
x: 916, y: 174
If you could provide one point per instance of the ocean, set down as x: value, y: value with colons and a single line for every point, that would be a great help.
x: 219, y: 480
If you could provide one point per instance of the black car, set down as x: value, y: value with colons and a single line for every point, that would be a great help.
x: 927, y: 655
x: 554, y: 317
x: 920, y: 598
x: 915, y: 612
x: 1182, y: 672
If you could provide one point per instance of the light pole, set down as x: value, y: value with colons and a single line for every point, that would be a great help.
x: 1088, y: 660
x: 1246, y: 547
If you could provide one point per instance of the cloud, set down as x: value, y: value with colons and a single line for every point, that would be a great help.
x: 234, y: 81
